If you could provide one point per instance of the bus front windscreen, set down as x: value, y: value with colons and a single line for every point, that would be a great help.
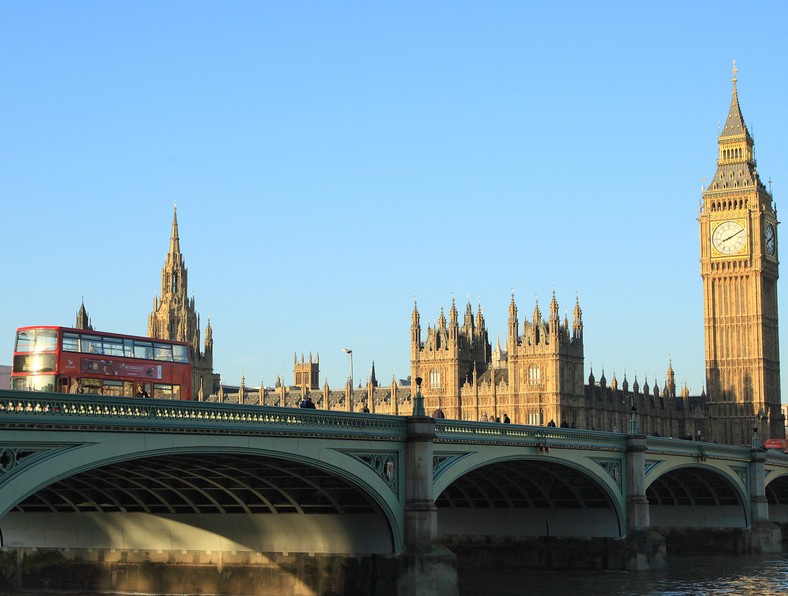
x: 36, y: 340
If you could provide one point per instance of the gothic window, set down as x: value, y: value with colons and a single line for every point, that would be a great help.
x: 534, y: 374
x: 435, y: 378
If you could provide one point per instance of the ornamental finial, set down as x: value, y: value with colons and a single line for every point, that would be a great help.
x: 734, y: 71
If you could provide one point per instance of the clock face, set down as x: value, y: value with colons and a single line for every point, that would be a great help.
x: 771, y: 240
x: 729, y: 237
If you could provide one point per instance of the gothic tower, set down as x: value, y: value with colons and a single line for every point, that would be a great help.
x: 83, y: 320
x: 174, y: 316
x: 545, y: 364
x: 738, y: 250
x: 448, y: 357
x: 306, y: 374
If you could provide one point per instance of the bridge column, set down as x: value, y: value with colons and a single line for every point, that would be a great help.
x: 421, y: 515
x: 766, y: 536
x: 428, y: 569
x: 646, y: 547
x: 637, y: 503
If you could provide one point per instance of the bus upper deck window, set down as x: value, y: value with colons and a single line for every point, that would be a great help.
x: 70, y: 342
x: 143, y: 349
x: 163, y: 352
x: 180, y: 353
x: 113, y: 346
x: 36, y: 340
x: 25, y: 340
x: 91, y: 344
x: 46, y: 340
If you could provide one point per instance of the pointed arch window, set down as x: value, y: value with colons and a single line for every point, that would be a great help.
x: 534, y: 375
x: 435, y: 379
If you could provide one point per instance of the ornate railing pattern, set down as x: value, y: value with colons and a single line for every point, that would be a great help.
x: 61, y: 411
x: 480, y: 433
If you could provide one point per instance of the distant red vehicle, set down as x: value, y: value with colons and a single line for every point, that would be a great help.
x: 777, y: 445
x: 65, y: 360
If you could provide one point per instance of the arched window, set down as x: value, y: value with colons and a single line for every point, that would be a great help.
x: 534, y: 374
x: 435, y: 378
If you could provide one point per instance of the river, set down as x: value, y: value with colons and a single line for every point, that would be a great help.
x: 697, y: 576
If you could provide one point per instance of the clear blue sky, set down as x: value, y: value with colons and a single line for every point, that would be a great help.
x: 333, y: 160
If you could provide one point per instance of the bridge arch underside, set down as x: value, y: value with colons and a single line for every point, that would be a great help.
x: 525, y: 499
x: 693, y: 497
x: 202, y: 502
x: 777, y: 497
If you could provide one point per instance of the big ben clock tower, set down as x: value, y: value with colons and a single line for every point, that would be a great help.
x: 739, y: 267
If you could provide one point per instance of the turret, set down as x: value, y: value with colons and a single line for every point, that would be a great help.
x: 513, y: 324
x: 577, y: 325
x: 415, y: 330
x: 454, y: 326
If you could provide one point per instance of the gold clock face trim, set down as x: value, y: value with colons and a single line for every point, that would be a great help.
x: 729, y: 238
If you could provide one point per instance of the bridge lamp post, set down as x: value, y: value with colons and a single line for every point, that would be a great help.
x: 633, y: 420
x: 349, y: 352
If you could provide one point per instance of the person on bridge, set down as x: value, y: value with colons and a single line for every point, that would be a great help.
x: 141, y: 392
x: 506, y: 418
x: 551, y: 423
x: 307, y: 402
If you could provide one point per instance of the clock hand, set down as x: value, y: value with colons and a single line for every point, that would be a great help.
x: 732, y: 235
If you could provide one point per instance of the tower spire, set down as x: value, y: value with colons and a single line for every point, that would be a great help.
x: 175, y: 242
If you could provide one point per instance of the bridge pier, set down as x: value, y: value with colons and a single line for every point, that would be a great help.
x: 766, y: 537
x: 646, y: 547
x: 427, y: 568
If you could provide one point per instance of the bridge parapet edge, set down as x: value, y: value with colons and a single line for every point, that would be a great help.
x: 697, y: 449
x: 462, y: 431
x: 58, y: 411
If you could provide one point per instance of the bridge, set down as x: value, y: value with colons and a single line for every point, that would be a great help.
x: 320, y: 498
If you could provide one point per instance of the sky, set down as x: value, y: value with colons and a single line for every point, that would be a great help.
x: 332, y: 162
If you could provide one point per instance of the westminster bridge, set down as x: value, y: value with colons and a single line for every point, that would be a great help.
x: 126, y: 480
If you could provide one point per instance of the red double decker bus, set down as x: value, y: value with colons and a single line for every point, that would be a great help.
x: 68, y: 360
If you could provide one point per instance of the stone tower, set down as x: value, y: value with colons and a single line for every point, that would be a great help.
x: 738, y: 250
x: 448, y: 357
x: 174, y: 316
x: 306, y: 373
x: 545, y: 365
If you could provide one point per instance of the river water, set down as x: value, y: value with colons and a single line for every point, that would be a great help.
x: 687, y: 576
x: 697, y: 576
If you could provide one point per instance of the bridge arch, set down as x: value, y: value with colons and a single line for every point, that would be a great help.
x: 207, y: 492
x: 776, y: 489
x: 488, y: 492
x: 688, y: 494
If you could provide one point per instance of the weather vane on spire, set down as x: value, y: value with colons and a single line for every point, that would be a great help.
x: 734, y: 71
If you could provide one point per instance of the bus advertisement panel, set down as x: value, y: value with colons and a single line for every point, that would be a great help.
x: 69, y: 360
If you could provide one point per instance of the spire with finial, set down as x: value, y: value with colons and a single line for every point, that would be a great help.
x: 513, y: 335
x: 577, y: 325
x: 553, y: 308
x: 83, y: 320
x: 442, y: 320
x: 175, y: 242
x: 453, y: 316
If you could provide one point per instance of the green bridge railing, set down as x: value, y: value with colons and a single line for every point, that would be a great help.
x: 58, y: 411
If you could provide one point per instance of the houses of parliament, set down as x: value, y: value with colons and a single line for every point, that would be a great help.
x: 538, y: 376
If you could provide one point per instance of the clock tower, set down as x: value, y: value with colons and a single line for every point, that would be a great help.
x: 739, y: 267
